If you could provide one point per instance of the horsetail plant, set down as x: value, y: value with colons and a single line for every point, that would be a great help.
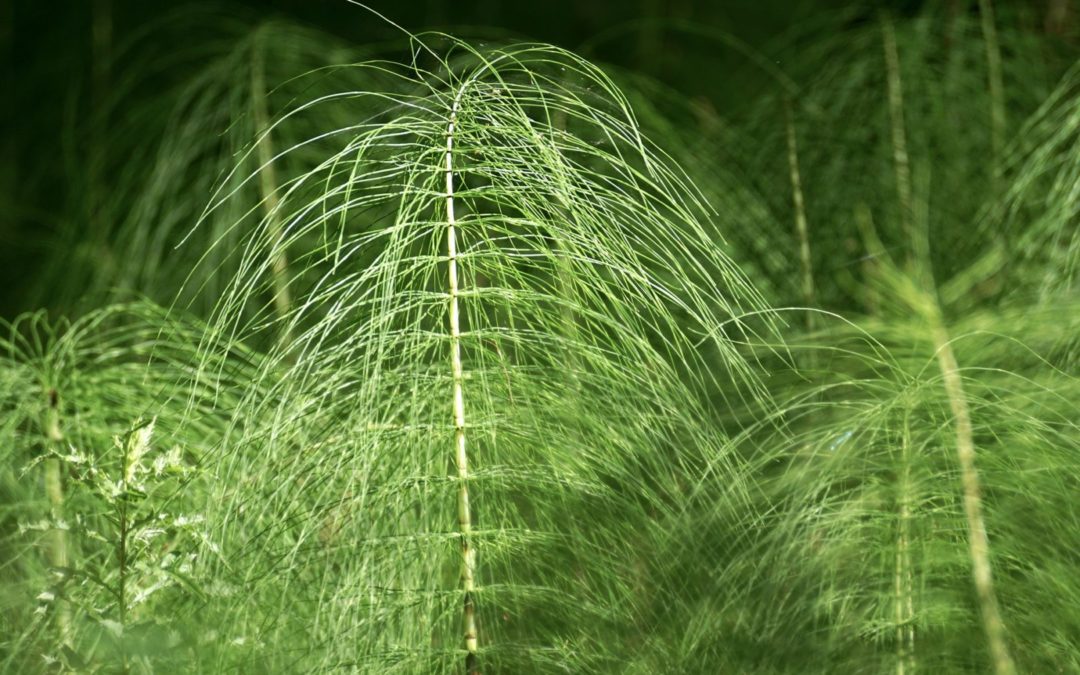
x: 925, y: 304
x: 558, y: 349
x: 461, y: 457
x: 54, y: 490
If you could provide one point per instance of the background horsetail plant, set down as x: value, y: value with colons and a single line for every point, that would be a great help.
x: 925, y: 304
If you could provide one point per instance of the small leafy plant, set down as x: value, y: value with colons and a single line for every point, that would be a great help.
x: 136, y: 547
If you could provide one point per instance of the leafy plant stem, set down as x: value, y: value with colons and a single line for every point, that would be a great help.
x: 101, y: 58
x: 122, y: 558
x: 904, y: 588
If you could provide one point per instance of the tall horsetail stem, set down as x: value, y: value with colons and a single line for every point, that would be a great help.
x: 978, y: 543
x: 54, y: 490
x: 995, y: 79
x: 268, y: 189
x: 901, y: 161
x: 799, y: 205
x: 468, y: 553
x: 904, y: 588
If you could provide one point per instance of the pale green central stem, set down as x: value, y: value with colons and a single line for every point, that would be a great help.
x: 904, y: 607
x: 54, y: 490
x: 468, y: 553
x: 994, y: 77
x: 268, y: 189
x: 801, y: 228
x: 978, y: 543
x: 901, y: 161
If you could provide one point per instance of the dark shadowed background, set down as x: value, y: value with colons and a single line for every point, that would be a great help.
x: 62, y: 59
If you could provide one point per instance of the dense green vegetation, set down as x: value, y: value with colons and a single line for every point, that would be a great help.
x: 451, y: 351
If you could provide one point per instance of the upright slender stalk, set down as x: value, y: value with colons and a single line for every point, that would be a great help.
x: 468, y: 553
x: 978, y: 543
x: 901, y: 161
x: 904, y: 604
x: 54, y: 490
x: 122, y: 554
x: 996, y: 80
x: 102, y: 30
x: 864, y: 220
x: 268, y: 188
x: 801, y: 228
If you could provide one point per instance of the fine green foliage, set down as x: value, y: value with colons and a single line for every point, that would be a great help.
x: 865, y: 554
x: 446, y: 357
x: 1039, y: 211
x: 498, y: 274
